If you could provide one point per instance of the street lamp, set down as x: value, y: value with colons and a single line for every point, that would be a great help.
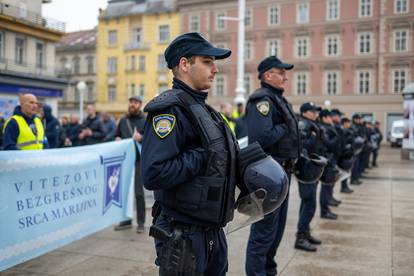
x: 327, y: 103
x: 81, y: 86
x: 240, y: 91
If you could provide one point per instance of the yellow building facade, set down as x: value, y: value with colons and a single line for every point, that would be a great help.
x: 130, y: 57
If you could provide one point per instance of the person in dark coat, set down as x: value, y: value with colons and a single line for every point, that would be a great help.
x: 132, y: 126
x: 52, y: 127
x: 92, y: 130
x: 110, y: 126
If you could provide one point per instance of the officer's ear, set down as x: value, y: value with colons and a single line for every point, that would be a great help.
x: 184, y: 64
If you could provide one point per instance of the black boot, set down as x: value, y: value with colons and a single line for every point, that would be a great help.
x: 329, y: 215
x: 345, y: 188
x: 303, y: 244
x: 336, y: 200
x: 333, y: 202
x: 312, y: 239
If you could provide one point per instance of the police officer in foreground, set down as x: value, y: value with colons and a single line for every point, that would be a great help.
x: 191, y: 160
x: 272, y: 123
x: 312, y: 144
x: 358, y: 132
x: 348, y: 154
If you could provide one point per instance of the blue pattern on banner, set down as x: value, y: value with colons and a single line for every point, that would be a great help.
x: 53, y: 197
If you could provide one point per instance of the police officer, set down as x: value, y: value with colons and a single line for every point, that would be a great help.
x: 24, y: 130
x: 272, y: 123
x: 311, y: 143
x: 331, y: 142
x: 188, y: 159
x: 378, y: 139
x: 347, y: 137
x: 358, y: 132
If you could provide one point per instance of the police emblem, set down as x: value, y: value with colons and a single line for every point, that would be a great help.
x: 263, y: 107
x: 163, y: 124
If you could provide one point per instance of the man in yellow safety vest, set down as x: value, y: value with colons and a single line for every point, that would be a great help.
x: 24, y: 130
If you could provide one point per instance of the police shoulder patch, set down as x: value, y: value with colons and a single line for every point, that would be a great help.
x: 263, y: 107
x: 163, y: 124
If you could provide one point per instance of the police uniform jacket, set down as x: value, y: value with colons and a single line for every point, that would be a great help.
x: 272, y: 122
x: 190, y: 183
x: 331, y: 142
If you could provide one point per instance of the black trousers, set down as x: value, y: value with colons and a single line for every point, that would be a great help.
x: 374, y: 157
x: 139, y: 198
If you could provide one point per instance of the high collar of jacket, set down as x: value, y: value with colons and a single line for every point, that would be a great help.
x: 199, y: 96
x: 277, y: 91
x: 18, y: 111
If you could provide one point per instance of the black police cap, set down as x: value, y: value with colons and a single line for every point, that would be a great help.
x: 272, y: 62
x: 310, y: 106
x: 325, y: 113
x: 192, y: 44
x: 356, y: 116
x: 336, y: 111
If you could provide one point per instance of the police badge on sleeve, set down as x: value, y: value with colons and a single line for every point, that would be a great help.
x: 163, y: 124
x: 263, y: 107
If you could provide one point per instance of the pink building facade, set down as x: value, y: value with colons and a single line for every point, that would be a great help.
x: 356, y: 55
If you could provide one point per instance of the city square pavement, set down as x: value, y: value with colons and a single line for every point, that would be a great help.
x: 374, y: 235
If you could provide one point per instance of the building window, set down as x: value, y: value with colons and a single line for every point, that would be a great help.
x: 302, y: 13
x: 194, y: 23
x: 365, y: 8
x: 332, y: 9
x: 141, y: 64
x: 401, y: 6
x: 164, y: 33
x: 247, y: 84
x: 76, y: 65
x: 220, y: 87
x: 112, y: 65
x: 162, y: 88
x: 20, y: 51
x: 400, y: 40
x: 132, y: 90
x: 248, y: 18
x: 332, y: 45
x: 273, y: 47
x: 399, y: 80
x: 331, y: 83
x: 302, y: 45
x: 364, y: 85
x: 90, y: 64
x: 301, y: 83
x: 133, y: 63
x: 2, y: 42
x: 364, y: 43
x: 273, y: 15
x: 248, y: 48
x: 111, y: 93
x: 90, y: 86
x: 137, y: 36
x: 162, y: 64
x: 142, y: 90
x: 220, y: 22
x: 40, y: 54
x: 112, y: 38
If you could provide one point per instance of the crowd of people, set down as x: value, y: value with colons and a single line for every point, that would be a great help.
x: 192, y: 162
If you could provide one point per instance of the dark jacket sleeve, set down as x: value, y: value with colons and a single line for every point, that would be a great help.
x: 52, y: 132
x: 165, y: 161
x: 261, y: 128
x: 98, y: 133
x: 11, y: 132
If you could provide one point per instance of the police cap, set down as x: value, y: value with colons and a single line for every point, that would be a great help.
x: 336, y: 111
x: 192, y: 44
x: 325, y: 113
x: 356, y: 116
x: 310, y: 106
x: 272, y: 62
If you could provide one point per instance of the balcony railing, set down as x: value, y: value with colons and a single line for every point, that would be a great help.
x: 31, y: 17
x: 27, y: 68
x: 136, y: 46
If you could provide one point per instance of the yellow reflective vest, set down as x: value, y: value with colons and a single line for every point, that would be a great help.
x: 26, y: 139
x: 231, y: 124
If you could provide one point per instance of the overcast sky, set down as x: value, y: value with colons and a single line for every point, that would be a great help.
x: 77, y: 14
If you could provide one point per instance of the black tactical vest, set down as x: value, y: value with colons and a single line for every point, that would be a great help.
x: 210, y: 196
x: 330, y: 132
x: 288, y: 147
x: 307, y: 127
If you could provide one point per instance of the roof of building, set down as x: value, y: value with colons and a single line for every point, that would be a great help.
x: 77, y: 40
x: 120, y: 8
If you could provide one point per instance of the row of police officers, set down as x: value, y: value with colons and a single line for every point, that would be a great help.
x: 204, y: 183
